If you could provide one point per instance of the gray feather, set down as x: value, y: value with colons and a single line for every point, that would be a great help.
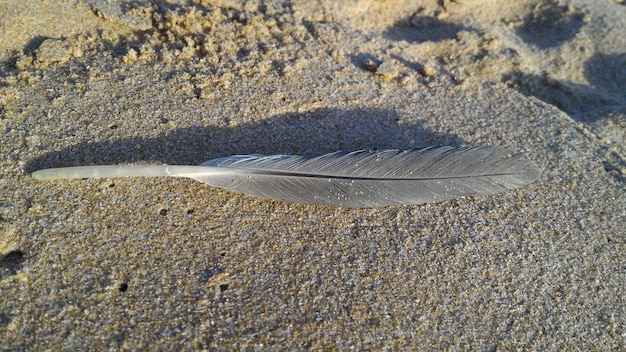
x: 358, y: 179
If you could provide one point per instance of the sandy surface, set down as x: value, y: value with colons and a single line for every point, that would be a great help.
x: 174, y: 264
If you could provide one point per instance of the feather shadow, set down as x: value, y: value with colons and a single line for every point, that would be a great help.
x: 312, y: 133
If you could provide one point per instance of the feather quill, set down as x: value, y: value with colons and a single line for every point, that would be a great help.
x: 359, y: 179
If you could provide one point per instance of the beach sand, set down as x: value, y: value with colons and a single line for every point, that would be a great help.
x: 172, y: 264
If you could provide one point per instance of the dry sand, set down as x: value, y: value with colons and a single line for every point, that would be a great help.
x: 173, y: 264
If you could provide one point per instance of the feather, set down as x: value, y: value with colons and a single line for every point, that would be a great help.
x: 359, y: 179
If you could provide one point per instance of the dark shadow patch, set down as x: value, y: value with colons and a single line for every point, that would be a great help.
x: 613, y: 164
x: 606, y: 91
x: 422, y: 28
x: 550, y: 25
x: 571, y: 98
x: 607, y: 75
x: 8, y: 65
x: 5, y: 319
x: 311, y: 133
x: 11, y: 263
x: 34, y: 44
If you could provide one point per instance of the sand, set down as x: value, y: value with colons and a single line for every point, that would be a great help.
x: 172, y: 264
